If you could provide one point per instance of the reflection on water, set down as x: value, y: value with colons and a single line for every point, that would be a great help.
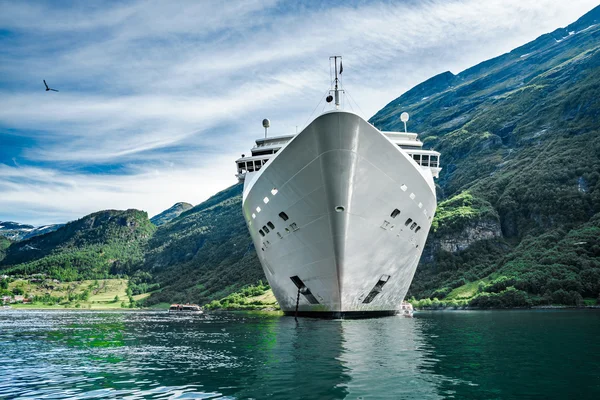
x: 529, y: 354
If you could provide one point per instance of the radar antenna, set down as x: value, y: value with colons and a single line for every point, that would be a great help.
x: 266, y: 125
x: 404, y: 118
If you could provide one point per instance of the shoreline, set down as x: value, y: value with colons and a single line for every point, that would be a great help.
x: 557, y: 307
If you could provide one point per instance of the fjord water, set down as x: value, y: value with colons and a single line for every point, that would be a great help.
x: 452, y: 354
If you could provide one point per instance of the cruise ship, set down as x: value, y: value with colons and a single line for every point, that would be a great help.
x: 339, y: 213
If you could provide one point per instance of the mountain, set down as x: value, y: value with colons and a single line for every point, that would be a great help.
x: 520, y: 189
x: 204, y: 254
x: 170, y: 214
x: 4, y: 244
x: 16, y: 231
x: 94, y: 246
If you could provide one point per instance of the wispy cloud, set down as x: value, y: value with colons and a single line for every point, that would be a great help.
x: 157, y: 99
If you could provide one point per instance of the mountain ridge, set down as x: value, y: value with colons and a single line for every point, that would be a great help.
x: 171, y: 213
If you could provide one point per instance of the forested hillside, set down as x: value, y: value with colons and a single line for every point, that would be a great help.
x: 170, y: 214
x: 98, y: 245
x: 4, y: 243
x: 520, y: 189
x: 206, y: 253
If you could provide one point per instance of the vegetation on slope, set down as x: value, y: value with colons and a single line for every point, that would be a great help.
x: 87, y: 294
x: 251, y: 297
x: 96, y: 246
x: 170, y: 214
x: 205, y: 254
x: 4, y: 243
x: 520, y: 143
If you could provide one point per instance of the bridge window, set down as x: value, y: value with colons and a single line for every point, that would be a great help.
x: 425, y: 160
x: 433, y: 161
x: 417, y: 158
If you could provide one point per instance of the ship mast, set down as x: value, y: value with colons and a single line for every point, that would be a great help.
x: 337, y: 90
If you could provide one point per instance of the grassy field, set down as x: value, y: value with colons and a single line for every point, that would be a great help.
x: 267, y: 298
x: 103, y: 294
x: 467, y: 291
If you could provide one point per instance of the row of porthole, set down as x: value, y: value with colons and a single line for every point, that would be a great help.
x: 265, y: 228
x: 293, y: 226
x: 408, y: 222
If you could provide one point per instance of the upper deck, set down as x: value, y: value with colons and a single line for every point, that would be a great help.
x: 265, y: 148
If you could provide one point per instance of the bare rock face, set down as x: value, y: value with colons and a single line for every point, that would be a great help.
x: 480, y: 230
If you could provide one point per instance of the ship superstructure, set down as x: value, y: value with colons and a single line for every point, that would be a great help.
x: 339, y: 213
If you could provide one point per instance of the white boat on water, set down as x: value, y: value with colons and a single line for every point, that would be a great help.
x: 185, y: 308
x: 406, y: 309
x: 339, y: 213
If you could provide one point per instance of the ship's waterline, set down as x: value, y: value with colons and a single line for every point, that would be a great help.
x: 340, y: 213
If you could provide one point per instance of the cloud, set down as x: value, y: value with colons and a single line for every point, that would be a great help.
x: 156, y: 96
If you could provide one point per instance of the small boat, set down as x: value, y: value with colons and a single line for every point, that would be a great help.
x: 185, y: 308
x: 406, y: 309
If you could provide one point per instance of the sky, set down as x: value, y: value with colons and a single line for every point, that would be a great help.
x: 157, y: 99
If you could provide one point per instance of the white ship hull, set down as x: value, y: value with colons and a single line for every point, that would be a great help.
x: 338, y: 182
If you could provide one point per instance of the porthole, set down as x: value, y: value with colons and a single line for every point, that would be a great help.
x: 257, y: 209
x: 339, y: 209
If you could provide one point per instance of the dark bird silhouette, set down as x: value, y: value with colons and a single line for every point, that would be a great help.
x: 47, y: 88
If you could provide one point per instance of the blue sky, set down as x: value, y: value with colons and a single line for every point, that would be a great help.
x: 157, y: 99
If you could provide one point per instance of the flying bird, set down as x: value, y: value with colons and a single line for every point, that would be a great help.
x: 47, y: 88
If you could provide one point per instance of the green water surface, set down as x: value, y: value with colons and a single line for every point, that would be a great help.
x: 542, y: 354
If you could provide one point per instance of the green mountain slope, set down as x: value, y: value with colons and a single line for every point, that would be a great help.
x: 170, y: 214
x: 91, y: 247
x: 4, y: 243
x: 204, y: 254
x: 520, y: 138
